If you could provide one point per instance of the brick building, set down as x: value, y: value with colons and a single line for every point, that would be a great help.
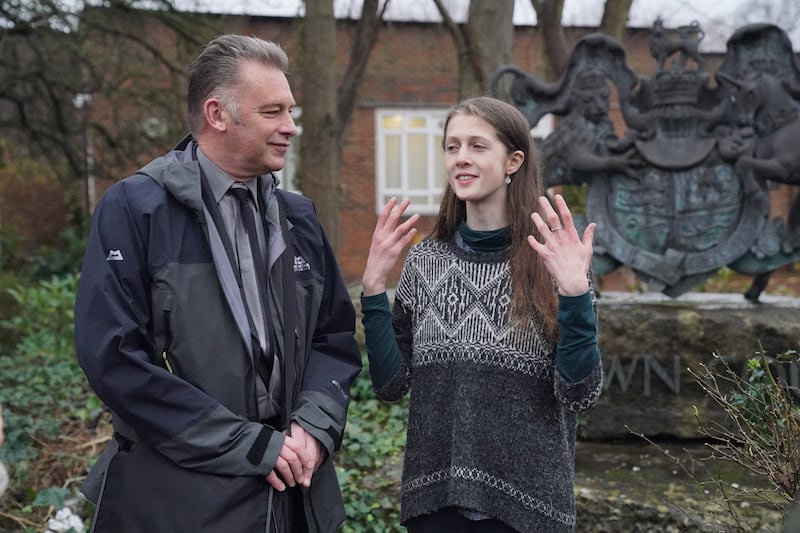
x: 392, y: 146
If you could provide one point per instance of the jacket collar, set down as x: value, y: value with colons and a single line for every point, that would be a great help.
x: 179, y: 173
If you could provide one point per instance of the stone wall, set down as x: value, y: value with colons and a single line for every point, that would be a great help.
x: 649, y: 342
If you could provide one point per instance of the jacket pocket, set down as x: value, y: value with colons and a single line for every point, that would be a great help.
x: 324, y: 506
x: 144, y: 492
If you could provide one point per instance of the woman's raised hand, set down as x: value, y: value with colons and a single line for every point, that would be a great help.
x: 566, y: 255
x: 388, y: 241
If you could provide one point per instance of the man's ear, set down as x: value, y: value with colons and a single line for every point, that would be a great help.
x: 515, y: 160
x: 216, y: 115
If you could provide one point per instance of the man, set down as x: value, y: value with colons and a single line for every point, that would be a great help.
x: 229, y: 390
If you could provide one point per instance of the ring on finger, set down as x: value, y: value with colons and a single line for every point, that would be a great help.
x: 559, y: 228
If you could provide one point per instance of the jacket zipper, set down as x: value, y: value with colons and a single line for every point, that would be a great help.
x: 167, y: 341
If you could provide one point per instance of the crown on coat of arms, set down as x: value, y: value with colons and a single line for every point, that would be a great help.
x: 676, y: 87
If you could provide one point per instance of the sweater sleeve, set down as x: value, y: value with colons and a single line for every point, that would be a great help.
x: 379, y: 337
x: 577, y: 353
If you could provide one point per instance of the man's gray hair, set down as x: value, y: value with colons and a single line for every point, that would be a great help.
x: 216, y: 70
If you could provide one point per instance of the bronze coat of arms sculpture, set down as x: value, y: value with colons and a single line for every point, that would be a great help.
x: 685, y: 190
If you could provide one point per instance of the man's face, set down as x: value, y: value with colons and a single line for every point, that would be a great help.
x: 257, y: 142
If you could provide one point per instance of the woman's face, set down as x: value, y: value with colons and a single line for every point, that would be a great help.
x: 477, y: 162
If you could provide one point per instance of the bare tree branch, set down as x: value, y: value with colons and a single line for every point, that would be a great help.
x: 364, y: 42
x: 549, y: 14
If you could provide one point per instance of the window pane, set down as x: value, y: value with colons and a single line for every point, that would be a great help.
x: 418, y: 161
x: 392, y: 162
x: 439, y: 176
x: 412, y: 163
x: 393, y: 122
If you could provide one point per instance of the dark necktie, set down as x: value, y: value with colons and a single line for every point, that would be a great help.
x: 254, y: 277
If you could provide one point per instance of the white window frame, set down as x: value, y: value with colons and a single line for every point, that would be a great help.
x: 434, y: 122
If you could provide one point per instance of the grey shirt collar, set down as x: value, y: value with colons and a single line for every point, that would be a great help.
x: 220, y: 181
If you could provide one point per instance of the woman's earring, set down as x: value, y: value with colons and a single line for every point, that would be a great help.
x: 508, y: 179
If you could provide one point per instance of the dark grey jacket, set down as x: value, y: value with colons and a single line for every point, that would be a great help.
x: 163, y: 338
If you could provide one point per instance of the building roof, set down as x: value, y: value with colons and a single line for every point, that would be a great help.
x: 718, y: 18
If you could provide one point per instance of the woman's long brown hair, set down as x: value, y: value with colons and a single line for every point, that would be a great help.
x: 533, y: 291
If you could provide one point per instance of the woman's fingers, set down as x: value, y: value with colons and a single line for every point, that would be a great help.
x: 540, y: 224
x: 385, y: 212
x: 549, y: 214
x: 564, y: 213
x: 388, y: 232
x: 566, y: 255
x: 588, y: 238
x: 388, y: 241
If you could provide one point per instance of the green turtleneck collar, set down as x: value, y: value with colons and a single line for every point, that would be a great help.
x: 495, y: 240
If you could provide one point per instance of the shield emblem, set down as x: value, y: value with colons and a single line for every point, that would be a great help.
x: 673, y: 226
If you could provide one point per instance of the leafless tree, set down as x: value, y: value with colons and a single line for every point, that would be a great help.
x: 328, y: 106
x: 483, y: 43
x: 66, y: 66
x: 556, y: 51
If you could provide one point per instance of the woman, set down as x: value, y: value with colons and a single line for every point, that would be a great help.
x: 493, y: 331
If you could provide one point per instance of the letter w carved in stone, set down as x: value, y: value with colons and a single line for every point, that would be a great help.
x: 616, y: 371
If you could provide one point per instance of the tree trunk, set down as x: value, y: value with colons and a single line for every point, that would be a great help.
x: 465, y: 71
x: 319, y: 154
x: 556, y: 55
x: 366, y: 36
x: 549, y: 14
x: 328, y: 110
x: 615, y: 17
x: 479, y: 51
x: 487, y: 49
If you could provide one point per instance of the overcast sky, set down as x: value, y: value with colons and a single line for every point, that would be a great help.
x: 718, y: 18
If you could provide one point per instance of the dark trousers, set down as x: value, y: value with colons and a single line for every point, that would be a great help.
x: 449, y: 520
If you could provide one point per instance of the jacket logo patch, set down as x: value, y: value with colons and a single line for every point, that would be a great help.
x: 300, y: 264
x: 116, y: 255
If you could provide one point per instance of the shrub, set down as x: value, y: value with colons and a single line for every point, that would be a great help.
x: 760, y: 434
x: 369, y: 463
x: 763, y: 429
x: 47, y: 404
x: 61, y: 258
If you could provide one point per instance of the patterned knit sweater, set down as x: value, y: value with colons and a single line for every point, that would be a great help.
x: 492, y: 422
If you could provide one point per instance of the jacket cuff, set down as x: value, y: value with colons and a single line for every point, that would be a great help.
x: 320, y: 417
